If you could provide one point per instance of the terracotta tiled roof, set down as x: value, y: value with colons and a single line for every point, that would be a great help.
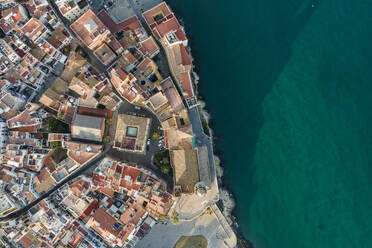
x: 181, y: 35
x: 168, y: 26
x: 114, y: 44
x: 75, y: 240
x: 93, y: 112
x: 81, y: 157
x: 132, y: 214
x: 107, y: 191
x: 118, y: 75
x: 131, y: 174
x: 56, y: 38
x: 160, y: 203
x: 158, y: 100
x: 161, y: 8
x: 105, y: 54
x: 127, y: 231
x: 93, y: 205
x: 88, y: 27
x: 131, y: 23
x: 129, y: 95
x: 26, y: 242
x: 15, y: 12
x: 24, y: 118
x: 107, y: 20
x: 186, y: 60
x: 43, y: 175
x: 122, y: 82
x: 32, y: 27
x: 6, y: 27
x: 187, y: 83
x: 130, y: 57
x: 78, y: 186
x: 105, y: 223
x: 28, y: 129
x: 148, y: 46
x: 144, y: 63
x: 172, y: 95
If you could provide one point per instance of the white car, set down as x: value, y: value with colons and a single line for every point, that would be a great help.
x: 148, y: 142
x: 136, y: 107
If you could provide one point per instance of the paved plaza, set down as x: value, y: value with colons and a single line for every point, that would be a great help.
x: 166, y: 236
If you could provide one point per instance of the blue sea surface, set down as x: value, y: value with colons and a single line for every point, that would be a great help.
x: 289, y: 86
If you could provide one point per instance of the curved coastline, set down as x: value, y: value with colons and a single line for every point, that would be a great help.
x: 227, y: 201
x: 295, y: 19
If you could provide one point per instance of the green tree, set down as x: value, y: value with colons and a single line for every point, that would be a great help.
x: 166, y: 161
x: 107, y: 121
x: 60, y: 115
x: 56, y: 126
x: 164, y: 169
x: 162, y: 162
x: 54, y: 144
x: 155, y: 135
x: 205, y: 126
x: 175, y: 217
x: 66, y: 49
x: 101, y: 106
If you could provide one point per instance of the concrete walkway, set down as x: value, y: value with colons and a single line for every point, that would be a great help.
x: 191, y: 206
x: 208, y: 225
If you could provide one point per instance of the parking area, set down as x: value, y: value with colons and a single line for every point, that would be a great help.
x: 119, y: 10
x: 167, y: 235
x: 143, y: 5
x: 142, y: 231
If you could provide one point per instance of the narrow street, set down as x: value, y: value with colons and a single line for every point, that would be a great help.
x: 91, y: 57
x: 73, y: 175
x: 47, y: 83
x: 142, y: 160
x: 202, y: 139
x: 194, y: 114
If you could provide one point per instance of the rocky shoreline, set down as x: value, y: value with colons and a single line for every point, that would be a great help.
x: 227, y: 202
x: 226, y: 198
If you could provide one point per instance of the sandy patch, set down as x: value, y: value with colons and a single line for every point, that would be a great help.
x: 198, y: 241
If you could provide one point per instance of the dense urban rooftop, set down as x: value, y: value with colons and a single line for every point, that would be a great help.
x: 101, y: 137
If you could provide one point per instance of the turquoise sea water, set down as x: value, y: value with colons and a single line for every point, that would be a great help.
x: 290, y: 89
